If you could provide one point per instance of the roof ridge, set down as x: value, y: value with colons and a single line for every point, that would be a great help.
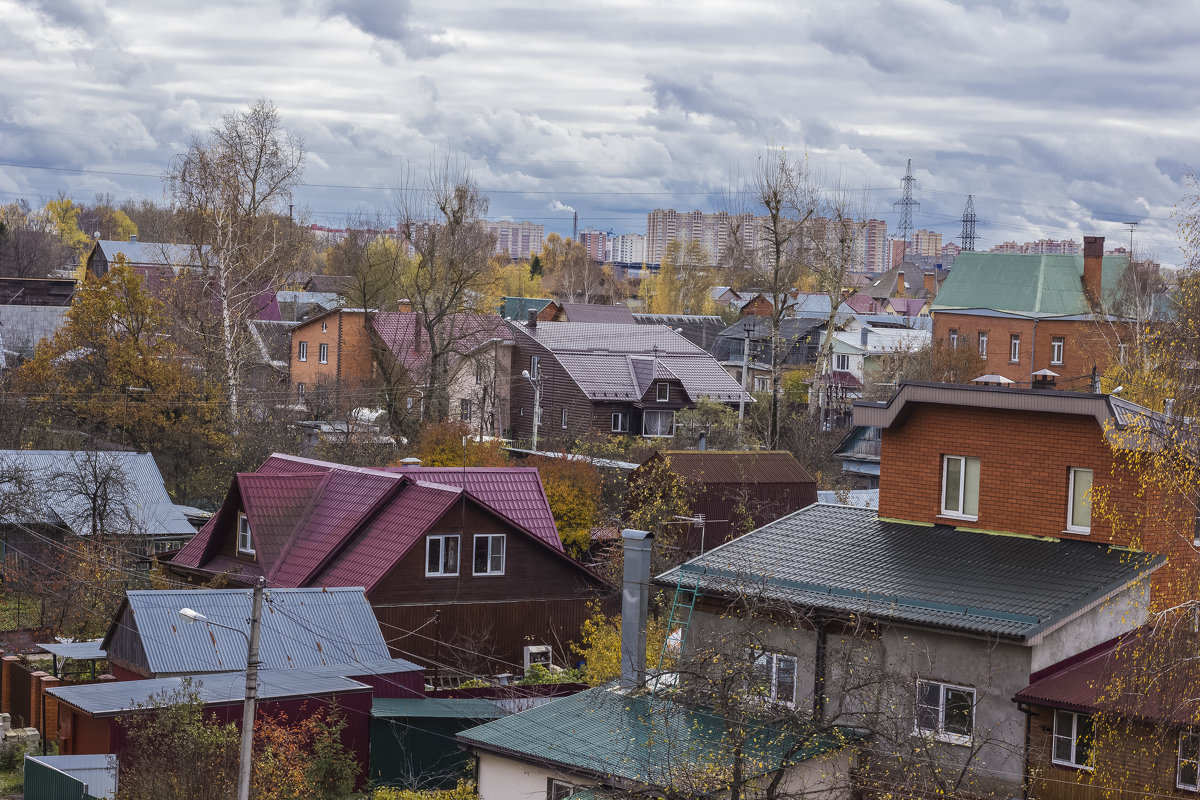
x: 286, y: 550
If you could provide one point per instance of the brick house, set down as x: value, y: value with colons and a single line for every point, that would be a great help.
x: 463, y: 567
x: 1026, y: 313
x: 1030, y: 462
x: 609, y: 378
x: 333, y: 350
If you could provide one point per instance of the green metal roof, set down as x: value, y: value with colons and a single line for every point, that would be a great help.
x: 434, y: 707
x: 642, y: 739
x: 517, y: 308
x: 1030, y: 285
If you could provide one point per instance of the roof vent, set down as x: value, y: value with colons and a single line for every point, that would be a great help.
x: 1045, y: 379
x: 992, y: 380
x: 411, y: 461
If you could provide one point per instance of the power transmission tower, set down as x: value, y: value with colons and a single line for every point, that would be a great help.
x: 968, y: 220
x: 906, y: 205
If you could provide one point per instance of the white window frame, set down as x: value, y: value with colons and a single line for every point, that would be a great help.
x: 245, y: 541
x: 324, y: 326
x: 773, y: 662
x: 302, y: 351
x: 762, y: 383
x: 322, y: 353
x: 620, y: 422
x: 1014, y: 348
x: 564, y: 419
x: 954, y: 338
x: 1193, y: 757
x: 962, y: 488
x: 841, y: 362
x: 559, y: 790
x: 495, y: 560
x: 300, y: 390
x: 940, y: 733
x: 1072, y: 527
x: 464, y: 409
x: 1057, y: 345
x: 443, y: 567
x: 663, y: 391
x: 646, y: 414
x: 983, y: 345
x: 1071, y: 735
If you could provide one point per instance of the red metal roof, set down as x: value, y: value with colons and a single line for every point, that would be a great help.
x: 274, y: 504
x: 737, y: 467
x: 403, y: 335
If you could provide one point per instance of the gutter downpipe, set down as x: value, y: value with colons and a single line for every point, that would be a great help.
x: 1033, y: 353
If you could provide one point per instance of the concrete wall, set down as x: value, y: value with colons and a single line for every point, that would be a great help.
x: 1123, y: 612
x: 502, y: 778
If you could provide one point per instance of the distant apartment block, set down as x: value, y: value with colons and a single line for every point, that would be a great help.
x: 875, y: 245
x: 517, y: 239
x: 628, y: 248
x: 711, y: 230
x: 1046, y: 247
x: 950, y: 252
x: 926, y: 243
x: 595, y: 242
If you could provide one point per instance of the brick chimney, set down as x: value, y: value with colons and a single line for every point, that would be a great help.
x: 931, y: 283
x: 1093, y: 259
x: 532, y: 323
x: 901, y: 287
x: 406, y: 306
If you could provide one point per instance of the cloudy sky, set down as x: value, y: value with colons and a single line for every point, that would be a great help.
x: 1062, y: 118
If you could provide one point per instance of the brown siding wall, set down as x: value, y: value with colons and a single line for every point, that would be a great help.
x: 1025, y: 462
x: 558, y: 392
x: 1083, y: 345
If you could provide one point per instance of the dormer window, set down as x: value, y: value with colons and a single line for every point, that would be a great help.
x: 245, y: 537
x: 664, y: 392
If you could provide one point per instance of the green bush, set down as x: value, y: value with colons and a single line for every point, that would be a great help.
x: 12, y: 756
x: 465, y: 790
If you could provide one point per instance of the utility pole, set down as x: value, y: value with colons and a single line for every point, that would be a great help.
x: 1132, y: 227
x: 251, y: 691
x: 536, y: 381
x: 906, y: 204
x: 745, y: 369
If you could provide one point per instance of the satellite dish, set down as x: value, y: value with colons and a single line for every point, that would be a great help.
x: 96, y: 235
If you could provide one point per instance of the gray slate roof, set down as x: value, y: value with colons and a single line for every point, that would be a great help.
x: 58, y: 474
x: 846, y: 559
x: 113, y: 697
x: 302, y: 629
x: 601, y: 359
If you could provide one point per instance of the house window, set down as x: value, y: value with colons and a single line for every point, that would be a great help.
x: 408, y: 403
x: 558, y: 790
x: 465, y: 411
x: 658, y: 423
x: 1079, y: 514
x: 1121, y: 353
x: 245, y: 537
x: 300, y: 390
x: 302, y: 351
x: 489, y: 554
x: 762, y: 383
x: 620, y: 422
x: 960, y: 487
x: 324, y: 326
x: 841, y: 362
x: 533, y: 367
x: 323, y: 354
x: 737, y: 349
x: 983, y: 345
x: 1014, y: 348
x: 664, y: 392
x: 776, y: 676
x: 441, y: 555
x: 564, y: 419
x: 954, y: 337
x: 1072, y: 739
x: 1056, y: 350
x: 945, y: 711
x: 1188, y: 760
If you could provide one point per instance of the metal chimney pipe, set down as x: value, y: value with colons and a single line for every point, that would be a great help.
x: 635, y: 597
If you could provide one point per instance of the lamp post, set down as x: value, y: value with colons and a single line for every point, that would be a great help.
x: 536, y: 382
x: 189, y: 616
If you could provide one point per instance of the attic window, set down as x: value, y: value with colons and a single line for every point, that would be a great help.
x: 324, y: 326
x: 664, y: 392
x: 245, y: 537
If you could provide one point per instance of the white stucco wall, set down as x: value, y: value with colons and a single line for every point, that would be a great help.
x: 501, y: 778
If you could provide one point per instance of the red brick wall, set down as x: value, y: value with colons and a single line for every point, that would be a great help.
x: 1025, y: 462
x: 1084, y: 345
x: 351, y: 356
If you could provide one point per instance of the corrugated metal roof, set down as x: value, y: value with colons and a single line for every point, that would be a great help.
x: 155, y: 253
x: 736, y: 467
x: 517, y: 308
x: 113, y: 697
x: 592, y: 314
x: 274, y: 506
x: 81, y: 651
x: 642, y: 738
x: 435, y: 708
x: 301, y: 628
x: 847, y: 559
x: 1030, y: 285
x: 406, y: 338
x: 63, y: 475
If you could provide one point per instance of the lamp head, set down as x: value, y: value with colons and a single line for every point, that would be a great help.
x: 189, y: 616
x: 525, y: 374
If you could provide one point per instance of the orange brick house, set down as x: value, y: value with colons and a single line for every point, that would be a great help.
x: 1026, y: 313
x: 1031, y: 462
x: 332, y: 349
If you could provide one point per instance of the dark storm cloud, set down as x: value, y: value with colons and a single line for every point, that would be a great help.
x: 392, y: 21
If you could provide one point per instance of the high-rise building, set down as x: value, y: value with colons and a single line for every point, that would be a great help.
x: 628, y: 248
x: 926, y: 243
x: 875, y: 243
x: 1040, y: 247
x: 595, y: 243
x: 517, y: 239
x: 712, y: 231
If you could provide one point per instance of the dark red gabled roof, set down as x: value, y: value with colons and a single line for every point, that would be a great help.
x: 275, y: 504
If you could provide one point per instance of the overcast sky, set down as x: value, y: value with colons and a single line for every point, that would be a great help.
x: 1061, y: 118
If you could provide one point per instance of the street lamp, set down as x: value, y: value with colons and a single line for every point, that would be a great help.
x: 536, y: 383
x: 189, y: 616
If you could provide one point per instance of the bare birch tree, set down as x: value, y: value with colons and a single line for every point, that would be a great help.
x: 231, y: 188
